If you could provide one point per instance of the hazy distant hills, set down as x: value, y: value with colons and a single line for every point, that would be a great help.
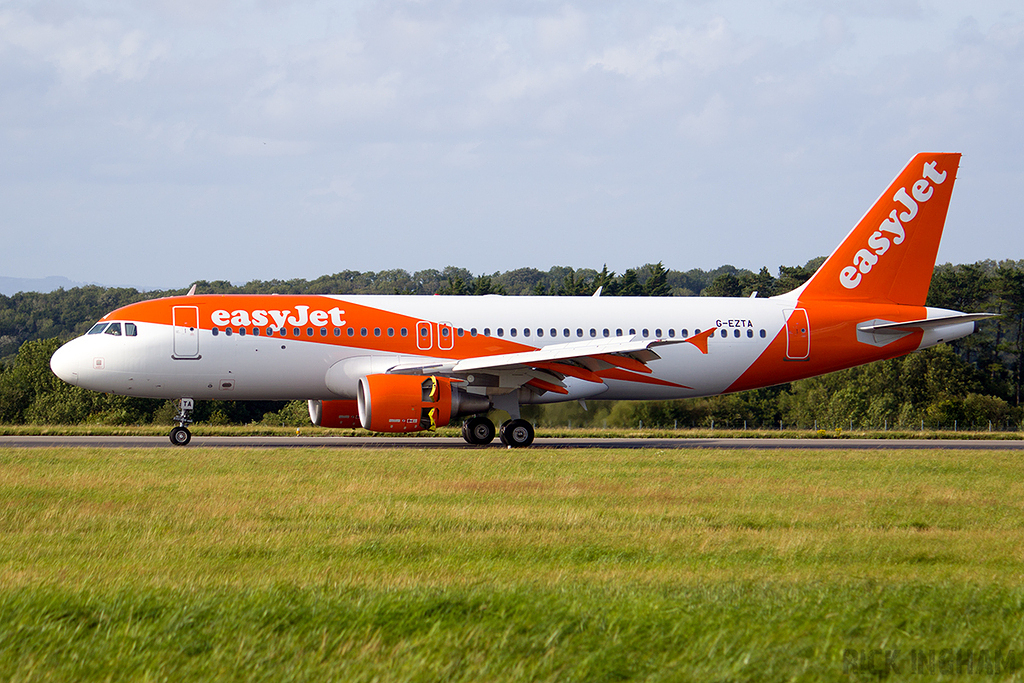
x: 13, y: 285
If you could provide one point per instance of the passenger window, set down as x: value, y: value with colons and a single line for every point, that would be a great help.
x: 487, y: 332
x: 444, y: 332
x: 684, y: 333
x: 579, y: 332
x: 762, y: 334
x: 501, y: 332
x: 459, y: 331
x: 632, y: 332
x: 270, y: 332
x: 618, y: 332
x: 671, y: 334
x: 350, y: 331
x: 645, y: 333
x: 736, y: 333
x: 130, y: 330
x: 472, y: 332
x: 606, y: 333
x: 337, y: 331
x: 227, y: 331
x: 565, y: 332
x: 241, y: 331
x: 376, y: 332
x: 657, y: 333
x: 296, y: 332
x: 750, y: 334
x: 512, y: 332
x: 593, y: 332
x: 255, y: 331
x: 391, y: 332
x: 405, y: 332
x: 309, y: 331
x: 526, y: 331
x: 97, y: 328
x: 363, y: 332
x: 323, y: 331
x: 724, y: 333
x: 540, y: 332
x: 215, y: 331
x: 554, y: 332
x: 114, y: 329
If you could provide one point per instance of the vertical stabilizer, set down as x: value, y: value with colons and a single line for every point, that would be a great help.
x: 889, y: 257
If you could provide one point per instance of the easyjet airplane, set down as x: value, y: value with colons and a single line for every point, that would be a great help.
x: 409, y: 363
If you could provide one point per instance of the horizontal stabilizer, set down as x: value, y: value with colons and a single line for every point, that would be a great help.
x: 926, y: 324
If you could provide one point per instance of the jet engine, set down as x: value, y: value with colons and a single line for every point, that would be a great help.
x: 336, y: 414
x: 410, y: 403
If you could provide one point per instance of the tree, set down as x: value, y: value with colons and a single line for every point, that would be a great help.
x: 657, y: 283
x: 726, y: 284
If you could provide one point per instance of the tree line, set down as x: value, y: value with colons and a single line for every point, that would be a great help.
x: 974, y: 382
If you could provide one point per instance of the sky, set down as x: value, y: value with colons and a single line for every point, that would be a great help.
x: 157, y: 143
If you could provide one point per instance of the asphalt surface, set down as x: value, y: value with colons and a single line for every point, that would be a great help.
x: 445, y: 442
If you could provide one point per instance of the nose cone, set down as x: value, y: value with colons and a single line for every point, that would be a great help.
x: 65, y: 364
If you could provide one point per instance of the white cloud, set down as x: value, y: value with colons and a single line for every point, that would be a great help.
x: 81, y: 48
x: 537, y: 123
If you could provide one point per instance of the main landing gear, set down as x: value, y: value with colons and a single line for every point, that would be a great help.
x: 516, y: 433
x: 479, y: 431
x: 180, y: 436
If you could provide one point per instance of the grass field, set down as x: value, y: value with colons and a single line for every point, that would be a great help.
x: 467, y: 565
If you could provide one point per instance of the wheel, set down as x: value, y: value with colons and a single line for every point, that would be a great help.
x: 180, y: 436
x: 517, y: 433
x: 478, y: 431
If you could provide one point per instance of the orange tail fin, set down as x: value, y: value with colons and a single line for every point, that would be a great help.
x: 890, y: 255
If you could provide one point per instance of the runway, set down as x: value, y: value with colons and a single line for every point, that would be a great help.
x: 454, y: 442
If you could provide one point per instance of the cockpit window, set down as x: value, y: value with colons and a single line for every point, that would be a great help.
x: 130, y: 329
x: 114, y: 329
x: 98, y: 328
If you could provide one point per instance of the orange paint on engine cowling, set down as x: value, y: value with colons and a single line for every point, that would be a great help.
x: 339, y: 414
x: 404, y: 403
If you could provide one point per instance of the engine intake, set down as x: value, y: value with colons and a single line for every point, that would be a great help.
x: 410, y: 403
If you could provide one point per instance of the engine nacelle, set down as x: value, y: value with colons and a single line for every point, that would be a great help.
x: 335, y: 414
x: 410, y: 403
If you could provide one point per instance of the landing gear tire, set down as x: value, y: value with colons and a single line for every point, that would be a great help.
x: 478, y: 431
x: 517, y: 433
x: 180, y: 436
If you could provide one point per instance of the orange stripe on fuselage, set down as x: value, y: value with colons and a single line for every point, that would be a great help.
x: 627, y: 376
x: 834, y: 344
x: 299, y: 311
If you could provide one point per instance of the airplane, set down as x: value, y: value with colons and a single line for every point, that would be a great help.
x: 410, y: 363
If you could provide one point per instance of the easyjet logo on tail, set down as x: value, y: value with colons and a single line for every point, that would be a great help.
x: 892, y: 231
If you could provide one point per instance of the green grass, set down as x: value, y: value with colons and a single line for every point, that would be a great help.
x: 462, y: 564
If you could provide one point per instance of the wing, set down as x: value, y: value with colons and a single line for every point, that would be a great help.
x: 544, y: 369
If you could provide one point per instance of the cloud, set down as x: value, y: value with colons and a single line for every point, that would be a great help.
x: 560, y: 125
x: 80, y: 48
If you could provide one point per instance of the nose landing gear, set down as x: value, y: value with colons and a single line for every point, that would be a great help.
x: 180, y: 435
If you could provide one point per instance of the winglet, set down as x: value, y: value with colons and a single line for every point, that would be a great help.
x: 701, y: 340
